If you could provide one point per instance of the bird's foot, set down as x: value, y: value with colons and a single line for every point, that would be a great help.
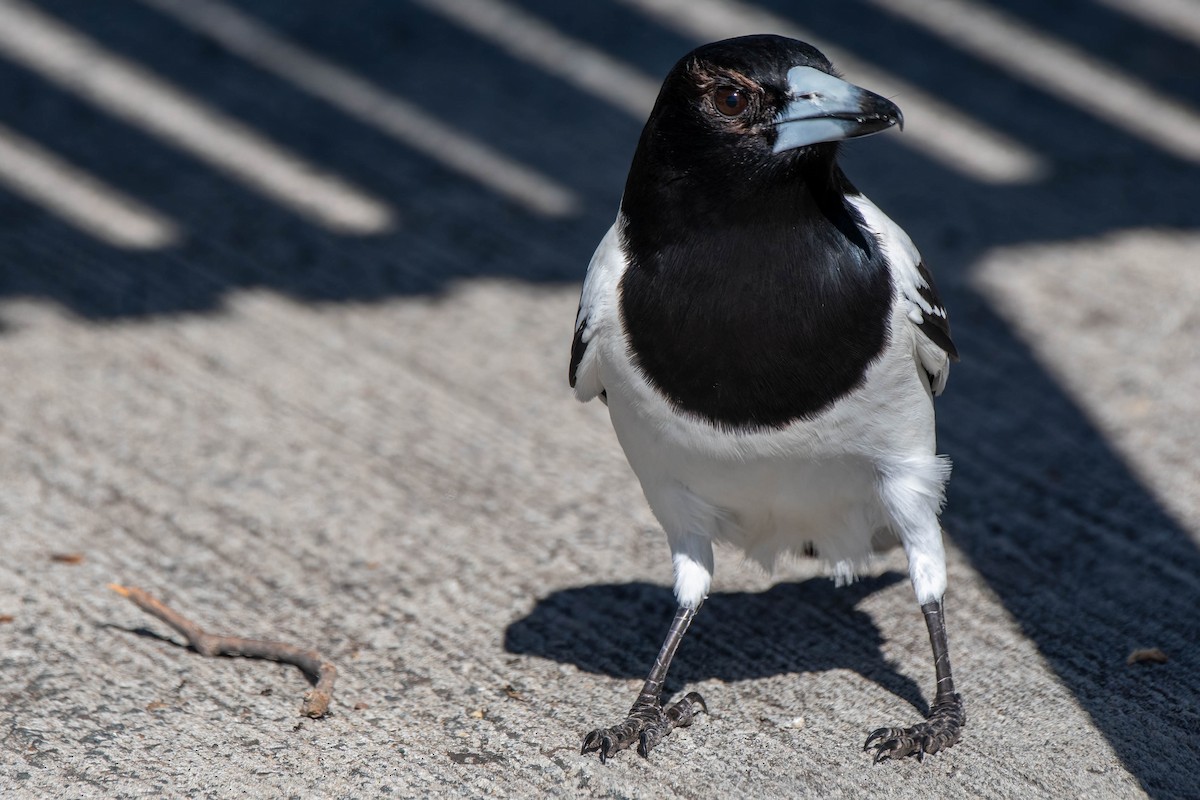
x: 940, y: 731
x: 647, y: 724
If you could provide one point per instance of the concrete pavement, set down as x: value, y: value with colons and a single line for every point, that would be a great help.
x: 362, y: 440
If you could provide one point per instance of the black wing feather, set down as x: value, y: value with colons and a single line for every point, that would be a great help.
x: 935, y: 326
x: 578, y: 348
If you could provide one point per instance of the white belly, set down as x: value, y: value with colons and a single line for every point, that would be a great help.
x: 842, y: 484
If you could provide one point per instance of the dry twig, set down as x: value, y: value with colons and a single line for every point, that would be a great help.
x: 316, y: 701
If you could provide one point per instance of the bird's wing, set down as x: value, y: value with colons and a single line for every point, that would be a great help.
x: 597, y: 316
x: 934, y: 347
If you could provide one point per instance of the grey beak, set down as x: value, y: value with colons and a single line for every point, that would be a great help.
x: 823, y: 108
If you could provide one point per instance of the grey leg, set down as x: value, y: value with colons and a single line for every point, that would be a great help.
x: 648, y: 722
x: 947, y: 716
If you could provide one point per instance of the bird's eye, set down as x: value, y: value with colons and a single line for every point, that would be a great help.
x: 731, y: 101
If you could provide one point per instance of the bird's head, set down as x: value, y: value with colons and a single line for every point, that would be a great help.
x: 735, y: 115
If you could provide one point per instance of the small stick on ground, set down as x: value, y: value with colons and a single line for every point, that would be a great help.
x: 316, y: 702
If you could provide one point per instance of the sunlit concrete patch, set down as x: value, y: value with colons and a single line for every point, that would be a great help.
x: 130, y: 92
x: 528, y: 38
x: 933, y: 128
x: 1117, y: 320
x: 79, y: 198
x: 367, y: 102
x: 1059, y: 68
x: 407, y: 479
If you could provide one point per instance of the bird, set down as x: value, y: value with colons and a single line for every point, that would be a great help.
x: 769, y: 344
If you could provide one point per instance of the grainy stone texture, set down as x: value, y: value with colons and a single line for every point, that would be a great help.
x: 367, y: 445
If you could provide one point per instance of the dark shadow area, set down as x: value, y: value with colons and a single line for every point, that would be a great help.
x: 1082, y: 555
x: 146, y: 633
x: 616, y: 630
x: 1080, y: 552
x: 452, y: 228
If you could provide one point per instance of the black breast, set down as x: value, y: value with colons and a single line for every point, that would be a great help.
x: 758, y: 323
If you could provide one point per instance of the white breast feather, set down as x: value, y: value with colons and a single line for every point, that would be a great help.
x: 598, y: 311
x: 862, y: 468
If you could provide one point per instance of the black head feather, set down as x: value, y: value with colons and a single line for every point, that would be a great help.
x: 753, y: 297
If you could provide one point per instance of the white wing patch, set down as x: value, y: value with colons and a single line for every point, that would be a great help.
x: 597, y: 315
x: 934, y: 348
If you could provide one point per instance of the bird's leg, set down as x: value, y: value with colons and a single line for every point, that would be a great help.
x: 947, y: 716
x: 648, y: 722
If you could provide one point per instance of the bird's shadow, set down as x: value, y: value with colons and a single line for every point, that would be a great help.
x: 810, y: 626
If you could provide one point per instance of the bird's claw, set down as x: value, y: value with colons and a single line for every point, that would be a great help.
x: 940, y: 731
x: 647, y: 724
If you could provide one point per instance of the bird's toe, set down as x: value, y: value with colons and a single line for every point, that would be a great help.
x: 647, y: 725
x: 940, y: 731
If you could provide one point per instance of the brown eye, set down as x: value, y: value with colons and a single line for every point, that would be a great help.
x: 730, y: 101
